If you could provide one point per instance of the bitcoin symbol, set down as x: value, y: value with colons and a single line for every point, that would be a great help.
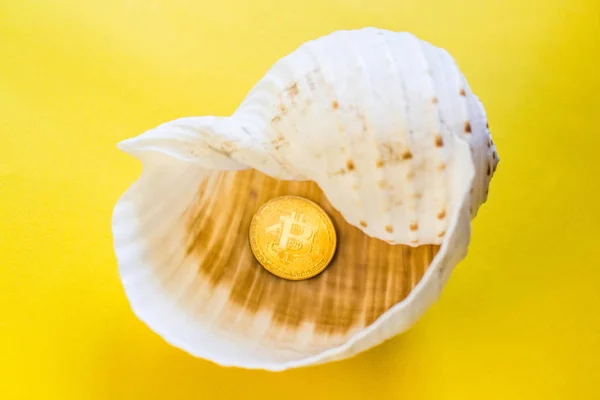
x: 292, y: 237
x: 288, y: 239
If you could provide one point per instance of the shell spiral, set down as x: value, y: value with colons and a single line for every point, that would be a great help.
x: 383, y: 122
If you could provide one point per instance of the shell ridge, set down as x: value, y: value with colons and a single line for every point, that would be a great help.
x: 376, y: 132
x: 395, y: 85
x: 438, y: 152
x: 405, y: 135
x: 399, y: 189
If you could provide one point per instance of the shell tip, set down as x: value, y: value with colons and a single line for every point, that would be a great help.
x: 126, y: 145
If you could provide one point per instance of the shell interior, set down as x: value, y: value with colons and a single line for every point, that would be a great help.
x: 366, y: 277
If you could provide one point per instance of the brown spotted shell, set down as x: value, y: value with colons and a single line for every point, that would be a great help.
x: 380, y: 129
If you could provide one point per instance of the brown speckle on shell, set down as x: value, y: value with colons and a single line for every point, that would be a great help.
x: 413, y: 226
x: 389, y: 229
x: 439, y: 142
x: 441, y: 214
x: 434, y: 100
x: 395, y: 152
x: 379, y: 163
x: 462, y: 92
x: 335, y: 105
x: 350, y: 165
x: 228, y: 147
x: 441, y: 167
x: 467, y: 127
x: 280, y: 141
x: 441, y: 234
x: 293, y: 90
x: 363, y: 224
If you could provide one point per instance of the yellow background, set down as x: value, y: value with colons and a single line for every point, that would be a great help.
x: 520, y: 318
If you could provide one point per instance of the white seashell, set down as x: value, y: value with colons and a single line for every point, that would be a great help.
x: 387, y: 127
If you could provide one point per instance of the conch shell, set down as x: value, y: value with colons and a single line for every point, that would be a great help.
x: 378, y: 127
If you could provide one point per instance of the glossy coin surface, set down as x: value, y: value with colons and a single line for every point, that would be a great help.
x: 292, y: 237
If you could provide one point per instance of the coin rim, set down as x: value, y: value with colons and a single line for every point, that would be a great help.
x: 258, y: 254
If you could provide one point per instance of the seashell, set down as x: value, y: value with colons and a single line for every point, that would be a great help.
x: 378, y: 127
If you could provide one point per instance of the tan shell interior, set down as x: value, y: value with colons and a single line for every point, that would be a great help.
x: 365, y: 278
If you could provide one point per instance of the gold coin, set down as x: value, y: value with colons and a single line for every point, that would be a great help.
x: 292, y: 237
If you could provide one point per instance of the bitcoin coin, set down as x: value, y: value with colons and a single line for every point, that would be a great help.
x: 292, y: 237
